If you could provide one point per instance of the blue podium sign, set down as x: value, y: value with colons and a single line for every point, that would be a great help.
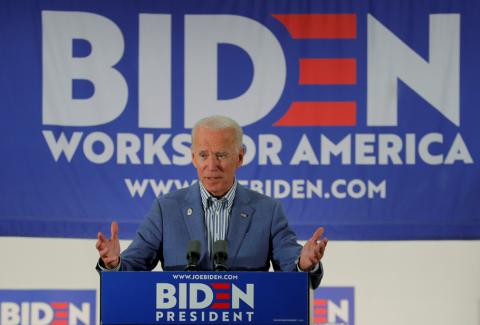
x: 204, y: 298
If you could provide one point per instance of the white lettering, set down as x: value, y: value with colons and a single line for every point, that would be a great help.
x: 424, y: 145
x: 10, y: 313
x: 60, y: 69
x: 79, y: 314
x: 62, y: 145
x: 390, y: 59
x: 304, y: 152
x: 364, y: 149
x: 458, y: 151
x: 203, y: 33
x: 269, y: 145
x: 166, y: 296
x: 155, y: 71
x: 195, y: 302
x: 107, y: 144
x: 328, y: 148
x: 40, y: 309
x: 128, y: 145
x: 335, y: 311
x: 245, y: 296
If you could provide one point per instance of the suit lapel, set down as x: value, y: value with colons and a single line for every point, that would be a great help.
x: 240, y: 220
x: 194, y: 219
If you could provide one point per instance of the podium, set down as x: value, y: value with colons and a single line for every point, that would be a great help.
x: 204, y: 298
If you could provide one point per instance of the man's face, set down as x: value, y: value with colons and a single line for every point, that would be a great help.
x: 216, y: 159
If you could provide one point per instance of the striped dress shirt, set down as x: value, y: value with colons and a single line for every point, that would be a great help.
x: 217, y: 214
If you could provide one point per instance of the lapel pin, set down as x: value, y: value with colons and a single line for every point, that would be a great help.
x: 243, y: 215
x: 189, y: 211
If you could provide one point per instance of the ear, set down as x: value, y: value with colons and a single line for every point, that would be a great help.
x: 193, y: 160
x: 241, y: 154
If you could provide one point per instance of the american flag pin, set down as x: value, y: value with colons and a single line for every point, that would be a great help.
x: 189, y: 211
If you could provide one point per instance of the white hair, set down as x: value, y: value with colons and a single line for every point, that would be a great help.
x: 219, y: 122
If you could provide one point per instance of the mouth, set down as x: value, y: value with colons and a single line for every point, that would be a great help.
x: 212, y: 178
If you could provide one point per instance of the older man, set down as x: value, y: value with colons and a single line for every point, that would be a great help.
x: 215, y: 208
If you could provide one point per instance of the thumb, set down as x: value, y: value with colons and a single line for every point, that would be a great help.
x: 114, y: 230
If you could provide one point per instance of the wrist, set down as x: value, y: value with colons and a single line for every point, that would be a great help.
x: 113, y: 265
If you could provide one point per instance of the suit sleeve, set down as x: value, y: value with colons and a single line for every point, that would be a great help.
x: 284, y: 247
x: 285, y: 250
x: 146, y: 249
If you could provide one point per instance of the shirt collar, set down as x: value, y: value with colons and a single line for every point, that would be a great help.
x: 208, y: 199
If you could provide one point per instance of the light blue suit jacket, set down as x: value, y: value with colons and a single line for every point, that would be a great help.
x: 258, y: 234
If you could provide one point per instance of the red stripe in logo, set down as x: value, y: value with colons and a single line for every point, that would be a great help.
x: 320, y: 114
x: 60, y: 322
x: 327, y: 26
x: 59, y: 305
x: 320, y: 302
x: 322, y: 71
x: 221, y: 305
x: 320, y: 320
x: 222, y: 296
x: 221, y: 285
x: 328, y: 72
x: 320, y: 311
x: 61, y: 314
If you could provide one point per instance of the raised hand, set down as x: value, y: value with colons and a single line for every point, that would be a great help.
x: 109, y: 249
x: 313, y: 251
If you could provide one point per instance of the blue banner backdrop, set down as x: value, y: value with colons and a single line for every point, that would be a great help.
x: 360, y: 116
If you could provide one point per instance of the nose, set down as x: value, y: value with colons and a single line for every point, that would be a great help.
x: 212, y: 163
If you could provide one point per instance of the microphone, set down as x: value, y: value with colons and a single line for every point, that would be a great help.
x: 220, y: 255
x: 193, y: 255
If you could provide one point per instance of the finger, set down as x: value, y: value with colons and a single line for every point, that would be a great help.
x: 114, y: 230
x: 101, y: 237
x: 324, y: 242
x: 322, y: 246
x: 98, y: 245
x: 317, y: 234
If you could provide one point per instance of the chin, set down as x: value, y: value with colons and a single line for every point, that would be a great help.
x: 216, y: 190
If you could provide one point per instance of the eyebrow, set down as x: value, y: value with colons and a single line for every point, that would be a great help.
x: 220, y: 151
x: 224, y: 152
